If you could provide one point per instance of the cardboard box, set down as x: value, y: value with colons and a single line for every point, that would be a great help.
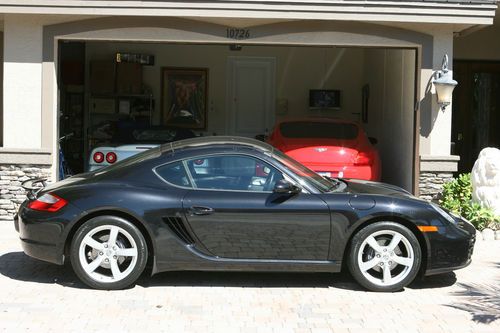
x: 102, y: 77
x: 128, y: 78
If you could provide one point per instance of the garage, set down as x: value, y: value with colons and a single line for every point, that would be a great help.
x: 111, y: 88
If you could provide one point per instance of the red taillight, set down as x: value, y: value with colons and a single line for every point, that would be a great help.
x: 111, y: 158
x: 98, y: 157
x: 48, y: 203
x: 363, y: 159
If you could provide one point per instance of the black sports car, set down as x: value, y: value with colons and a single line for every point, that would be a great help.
x: 226, y: 203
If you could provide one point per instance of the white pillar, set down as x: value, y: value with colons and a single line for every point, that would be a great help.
x: 23, y: 42
x: 436, y: 163
x: 436, y: 140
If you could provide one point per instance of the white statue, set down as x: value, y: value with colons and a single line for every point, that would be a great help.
x: 486, y: 179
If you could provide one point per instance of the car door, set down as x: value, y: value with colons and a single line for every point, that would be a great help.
x: 234, y: 213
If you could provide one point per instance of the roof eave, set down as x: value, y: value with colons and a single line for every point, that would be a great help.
x: 373, y: 11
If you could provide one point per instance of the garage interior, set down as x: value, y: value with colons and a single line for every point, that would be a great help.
x: 249, y: 88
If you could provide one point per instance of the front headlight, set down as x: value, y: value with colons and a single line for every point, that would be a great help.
x: 444, y: 213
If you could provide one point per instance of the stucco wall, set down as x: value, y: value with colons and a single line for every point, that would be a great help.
x: 435, y: 130
x: 298, y: 69
x: 1, y: 88
x: 22, y: 82
x: 483, y: 44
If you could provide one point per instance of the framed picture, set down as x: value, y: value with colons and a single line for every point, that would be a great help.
x: 184, y: 97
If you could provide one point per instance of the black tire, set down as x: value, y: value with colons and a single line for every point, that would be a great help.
x: 130, y: 265
x: 370, y: 279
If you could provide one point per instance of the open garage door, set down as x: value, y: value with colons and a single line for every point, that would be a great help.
x: 111, y: 92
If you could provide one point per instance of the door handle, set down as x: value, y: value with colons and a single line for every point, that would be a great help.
x: 200, y: 210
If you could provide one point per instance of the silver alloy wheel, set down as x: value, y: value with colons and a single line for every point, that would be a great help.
x: 385, y: 258
x: 108, y: 253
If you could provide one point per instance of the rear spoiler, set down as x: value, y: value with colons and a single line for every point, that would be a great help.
x: 33, y: 186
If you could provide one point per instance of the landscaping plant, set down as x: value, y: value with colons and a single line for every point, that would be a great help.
x: 457, y: 197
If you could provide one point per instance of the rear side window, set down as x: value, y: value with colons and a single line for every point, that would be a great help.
x: 317, y: 130
x: 174, y: 173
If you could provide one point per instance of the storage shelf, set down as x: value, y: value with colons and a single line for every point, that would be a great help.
x: 148, y: 96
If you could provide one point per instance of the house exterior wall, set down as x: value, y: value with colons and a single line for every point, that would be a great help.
x: 32, y: 28
x: 479, y: 45
x: 22, y: 82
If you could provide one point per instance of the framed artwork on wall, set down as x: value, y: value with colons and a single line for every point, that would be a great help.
x: 184, y: 97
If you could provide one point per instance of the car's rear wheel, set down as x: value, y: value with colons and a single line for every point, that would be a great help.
x: 384, y: 256
x: 108, y: 252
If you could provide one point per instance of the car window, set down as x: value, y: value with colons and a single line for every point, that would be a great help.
x: 174, y: 173
x: 317, y: 130
x: 234, y: 173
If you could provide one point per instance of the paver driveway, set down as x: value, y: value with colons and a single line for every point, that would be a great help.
x: 40, y: 297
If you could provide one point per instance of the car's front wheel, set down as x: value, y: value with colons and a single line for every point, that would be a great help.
x: 108, y: 252
x: 384, y: 256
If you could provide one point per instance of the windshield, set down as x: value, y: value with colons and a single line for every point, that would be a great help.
x: 306, y: 175
x: 317, y: 130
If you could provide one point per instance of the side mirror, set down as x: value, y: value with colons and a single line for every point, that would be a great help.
x: 372, y: 140
x: 285, y: 187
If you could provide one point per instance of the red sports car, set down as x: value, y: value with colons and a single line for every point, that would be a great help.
x: 331, y: 147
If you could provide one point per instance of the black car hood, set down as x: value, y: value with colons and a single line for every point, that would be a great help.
x: 368, y: 187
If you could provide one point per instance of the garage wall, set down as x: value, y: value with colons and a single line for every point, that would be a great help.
x: 298, y: 69
x: 390, y: 75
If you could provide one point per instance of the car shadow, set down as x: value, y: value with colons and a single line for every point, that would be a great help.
x: 434, y: 281
x: 251, y: 279
x: 19, y: 266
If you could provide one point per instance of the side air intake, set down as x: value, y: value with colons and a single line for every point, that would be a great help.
x: 178, y: 228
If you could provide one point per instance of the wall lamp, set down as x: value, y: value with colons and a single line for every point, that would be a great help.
x: 444, y: 84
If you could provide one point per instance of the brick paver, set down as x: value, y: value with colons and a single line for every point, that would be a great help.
x: 40, y: 297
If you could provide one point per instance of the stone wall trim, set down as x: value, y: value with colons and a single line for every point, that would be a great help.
x: 11, y: 192
x: 25, y: 156
x: 429, y: 163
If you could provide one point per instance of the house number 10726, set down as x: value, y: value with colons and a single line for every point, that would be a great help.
x: 234, y: 33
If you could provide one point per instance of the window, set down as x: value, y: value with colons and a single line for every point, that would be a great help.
x: 233, y: 172
x: 174, y: 173
x: 316, y: 130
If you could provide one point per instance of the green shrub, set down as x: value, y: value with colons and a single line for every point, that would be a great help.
x: 457, y: 197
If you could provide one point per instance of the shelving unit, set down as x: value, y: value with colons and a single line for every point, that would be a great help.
x: 121, y: 107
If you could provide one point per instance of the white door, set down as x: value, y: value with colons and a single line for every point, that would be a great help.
x: 250, y: 95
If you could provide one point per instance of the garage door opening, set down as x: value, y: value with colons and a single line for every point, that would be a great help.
x: 112, y: 92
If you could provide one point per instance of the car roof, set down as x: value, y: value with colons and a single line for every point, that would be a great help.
x: 214, y: 141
